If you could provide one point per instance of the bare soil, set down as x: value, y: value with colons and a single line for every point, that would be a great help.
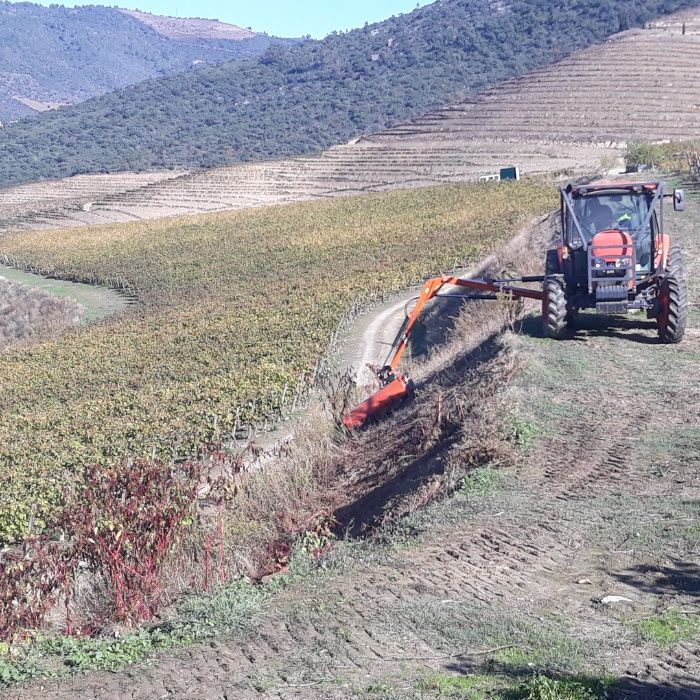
x: 509, y: 574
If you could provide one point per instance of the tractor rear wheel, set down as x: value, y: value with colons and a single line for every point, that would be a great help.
x: 672, y: 316
x: 554, y: 312
x: 674, y: 266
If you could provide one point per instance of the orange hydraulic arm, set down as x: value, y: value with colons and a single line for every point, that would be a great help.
x: 396, y: 386
x: 430, y: 291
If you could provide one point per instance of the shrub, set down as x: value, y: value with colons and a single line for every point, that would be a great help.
x: 30, y: 313
x: 31, y: 579
x: 125, y: 524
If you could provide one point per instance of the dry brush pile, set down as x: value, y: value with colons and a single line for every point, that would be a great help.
x: 27, y: 313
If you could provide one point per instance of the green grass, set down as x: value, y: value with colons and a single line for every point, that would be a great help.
x: 476, y: 686
x: 481, y: 685
x: 519, y: 640
x: 665, y: 442
x: 670, y: 627
x: 482, y: 481
x: 227, y: 612
x: 231, y: 310
x: 524, y: 431
x: 660, y: 525
x: 98, y: 302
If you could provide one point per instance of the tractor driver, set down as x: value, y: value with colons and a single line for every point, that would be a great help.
x: 599, y: 217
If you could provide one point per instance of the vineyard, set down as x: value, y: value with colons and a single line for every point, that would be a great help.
x: 234, y: 313
x: 46, y: 203
x: 571, y: 116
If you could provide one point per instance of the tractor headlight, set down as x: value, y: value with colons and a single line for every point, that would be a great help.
x: 623, y: 262
x: 599, y: 263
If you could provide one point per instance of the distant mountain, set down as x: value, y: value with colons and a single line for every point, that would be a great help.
x: 52, y: 56
x: 302, y: 98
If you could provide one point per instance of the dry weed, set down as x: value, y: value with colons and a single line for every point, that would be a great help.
x: 27, y: 313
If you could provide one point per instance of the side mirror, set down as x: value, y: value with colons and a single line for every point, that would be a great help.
x: 679, y: 200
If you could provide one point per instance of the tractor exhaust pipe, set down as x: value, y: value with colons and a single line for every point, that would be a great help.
x: 378, y: 403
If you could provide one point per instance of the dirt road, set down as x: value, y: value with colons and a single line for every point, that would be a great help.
x: 513, y: 573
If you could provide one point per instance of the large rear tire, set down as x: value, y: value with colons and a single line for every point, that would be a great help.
x: 674, y: 266
x: 672, y: 316
x: 554, y: 311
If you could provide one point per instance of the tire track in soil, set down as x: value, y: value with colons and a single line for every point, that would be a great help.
x: 359, y: 627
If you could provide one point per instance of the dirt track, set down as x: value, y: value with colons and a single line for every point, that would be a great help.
x: 603, y: 501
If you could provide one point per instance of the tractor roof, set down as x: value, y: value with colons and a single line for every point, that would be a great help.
x: 603, y: 185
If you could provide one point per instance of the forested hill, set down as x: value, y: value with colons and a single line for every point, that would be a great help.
x: 55, y: 55
x: 302, y: 98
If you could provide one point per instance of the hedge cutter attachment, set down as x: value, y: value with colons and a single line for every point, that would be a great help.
x: 395, y: 387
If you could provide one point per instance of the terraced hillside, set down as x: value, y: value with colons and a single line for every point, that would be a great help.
x: 77, y: 194
x: 575, y: 114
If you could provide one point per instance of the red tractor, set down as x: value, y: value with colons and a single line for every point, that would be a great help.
x: 613, y: 257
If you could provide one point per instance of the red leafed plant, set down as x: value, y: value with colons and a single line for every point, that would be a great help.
x: 31, y: 577
x: 126, y: 521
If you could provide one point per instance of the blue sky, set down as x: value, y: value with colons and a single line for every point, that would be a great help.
x: 279, y: 17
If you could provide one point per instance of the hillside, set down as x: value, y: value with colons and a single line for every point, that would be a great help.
x: 191, y: 28
x: 52, y: 56
x: 567, y: 116
x: 303, y: 98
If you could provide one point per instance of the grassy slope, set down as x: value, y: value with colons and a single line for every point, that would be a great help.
x: 97, y: 302
x: 305, y: 98
x: 232, y: 308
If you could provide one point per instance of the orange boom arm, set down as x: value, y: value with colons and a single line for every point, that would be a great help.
x: 396, y: 387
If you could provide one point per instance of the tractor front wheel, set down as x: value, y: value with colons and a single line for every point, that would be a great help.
x: 554, y: 312
x: 672, y: 315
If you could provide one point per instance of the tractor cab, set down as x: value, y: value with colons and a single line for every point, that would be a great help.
x: 614, y: 254
x: 609, y: 218
x: 621, y: 212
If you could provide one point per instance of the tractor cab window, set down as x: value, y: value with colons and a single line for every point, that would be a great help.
x: 624, y: 211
